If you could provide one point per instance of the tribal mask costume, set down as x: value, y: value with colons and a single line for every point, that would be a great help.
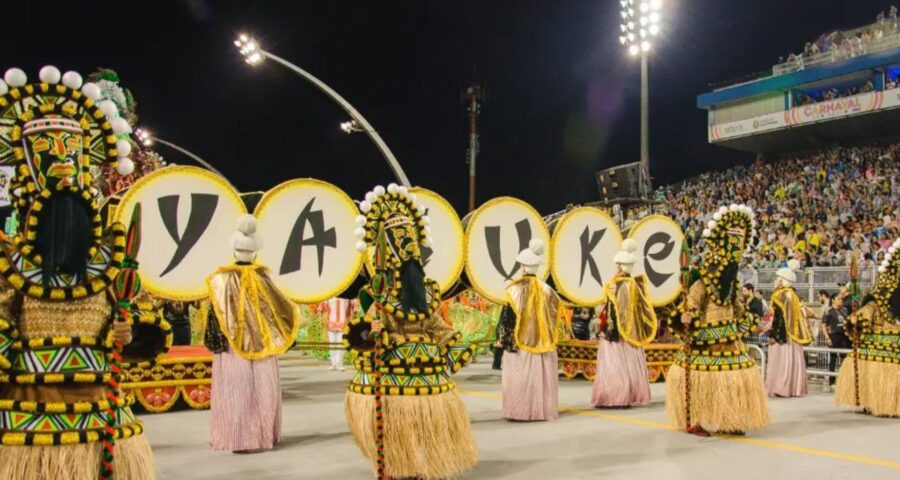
x: 64, y: 279
x: 726, y: 390
x: 874, y: 382
x: 402, y: 407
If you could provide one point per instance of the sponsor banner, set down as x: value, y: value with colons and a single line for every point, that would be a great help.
x: 307, y: 226
x: 748, y: 126
x: 839, y: 107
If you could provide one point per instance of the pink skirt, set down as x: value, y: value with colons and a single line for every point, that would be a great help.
x: 530, y: 386
x: 245, y: 411
x: 621, y: 376
x: 786, y: 370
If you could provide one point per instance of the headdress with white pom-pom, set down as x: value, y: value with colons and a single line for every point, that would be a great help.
x: 727, y: 227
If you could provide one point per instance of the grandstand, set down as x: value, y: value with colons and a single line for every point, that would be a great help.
x: 841, y: 89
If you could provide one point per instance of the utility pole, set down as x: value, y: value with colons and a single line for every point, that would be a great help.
x: 474, y: 97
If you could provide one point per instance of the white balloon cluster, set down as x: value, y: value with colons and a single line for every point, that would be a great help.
x: 372, y: 197
x: 16, y: 78
x: 889, y: 256
x: 734, y: 207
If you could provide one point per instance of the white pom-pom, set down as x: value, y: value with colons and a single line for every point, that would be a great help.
x: 629, y: 245
x: 536, y: 245
x: 108, y: 108
x: 723, y: 209
x: 121, y: 126
x: 379, y: 190
x: 711, y: 224
x: 882, y: 269
x: 361, y: 246
x: 426, y: 242
x: 888, y: 257
x: 91, y: 90
x: 717, y: 216
x: 392, y: 188
x: 420, y: 208
x: 125, y: 166
x: 893, y: 249
x: 49, y: 74
x: 426, y: 220
x: 15, y: 77
x: 413, y: 198
x: 3, y: 87
x: 707, y: 232
x: 370, y: 197
x: 246, y: 224
x: 123, y: 147
x: 402, y: 191
x: 365, y: 207
x: 360, y: 232
x: 72, y: 80
x: 427, y: 230
x: 732, y: 207
x: 361, y: 221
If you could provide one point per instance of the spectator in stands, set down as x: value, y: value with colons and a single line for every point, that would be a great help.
x: 176, y: 314
x: 755, y: 303
x: 833, y: 329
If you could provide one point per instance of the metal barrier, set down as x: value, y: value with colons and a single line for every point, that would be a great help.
x: 810, y: 280
x: 820, y: 366
x: 762, y: 357
x: 836, y: 54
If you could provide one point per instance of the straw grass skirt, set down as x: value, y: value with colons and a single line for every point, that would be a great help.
x: 425, y: 436
x: 729, y: 402
x: 879, y: 387
x: 133, y: 461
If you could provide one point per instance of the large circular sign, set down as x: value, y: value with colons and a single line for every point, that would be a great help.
x: 658, y: 256
x: 443, y: 260
x: 495, y: 234
x: 585, y: 240
x: 307, y: 228
x: 187, y: 218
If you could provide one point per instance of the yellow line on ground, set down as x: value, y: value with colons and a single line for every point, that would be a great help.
x: 752, y: 441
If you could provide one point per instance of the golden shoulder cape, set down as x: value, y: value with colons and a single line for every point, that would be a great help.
x: 258, y: 320
x: 795, y: 322
x: 635, y: 318
x: 535, y: 305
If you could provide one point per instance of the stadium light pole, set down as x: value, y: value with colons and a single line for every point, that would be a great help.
x: 147, y: 139
x: 254, y: 55
x: 640, y: 24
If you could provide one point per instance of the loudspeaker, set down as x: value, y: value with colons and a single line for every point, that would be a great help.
x: 623, y: 181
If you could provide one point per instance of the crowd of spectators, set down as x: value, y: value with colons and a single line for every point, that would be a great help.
x: 819, y: 208
x: 833, y: 93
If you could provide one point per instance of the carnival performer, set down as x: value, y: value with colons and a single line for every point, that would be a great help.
x: 530, y: 374
x: 339, y: 311
x: 875, y: 330
x: 67, y: 289
x: 631, y: 324
x: 726, y: 393
x: 786, y: 370
x: 401, y: 407
x: 252, y: 324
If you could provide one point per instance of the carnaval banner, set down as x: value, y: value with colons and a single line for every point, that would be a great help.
x: 188, y: 214
x: 585, y: 240
x: 307, y: 230
x: 495, y: 234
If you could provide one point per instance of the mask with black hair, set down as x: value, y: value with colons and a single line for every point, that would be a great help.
x: 412, y: 294
x: 63, y: 237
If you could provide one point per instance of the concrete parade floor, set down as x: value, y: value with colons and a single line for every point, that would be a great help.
x: 808, y: 438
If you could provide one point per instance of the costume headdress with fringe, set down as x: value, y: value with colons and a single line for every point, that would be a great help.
x: 730, y: 232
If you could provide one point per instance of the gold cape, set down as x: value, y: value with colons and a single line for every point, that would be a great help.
x: 795, y: 322
x: 635, y: 318
x: 258, y: 320
x: 535, y: 305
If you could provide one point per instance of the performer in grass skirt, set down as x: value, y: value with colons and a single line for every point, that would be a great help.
x: 876, y: 327
x: 726, y: 392
x: 406, y: 353
x: 62, y: 315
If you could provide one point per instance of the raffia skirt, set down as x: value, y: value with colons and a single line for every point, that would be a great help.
x: 425, y: 436
x: 133, y: 461
x: 530, y: 386
x: 245, y: 411
x: 879, y: 387
x: 621, y: 376
x: 786, y: 370
x: 729, y: 402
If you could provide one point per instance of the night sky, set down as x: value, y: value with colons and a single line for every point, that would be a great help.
x: 564, y: 95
